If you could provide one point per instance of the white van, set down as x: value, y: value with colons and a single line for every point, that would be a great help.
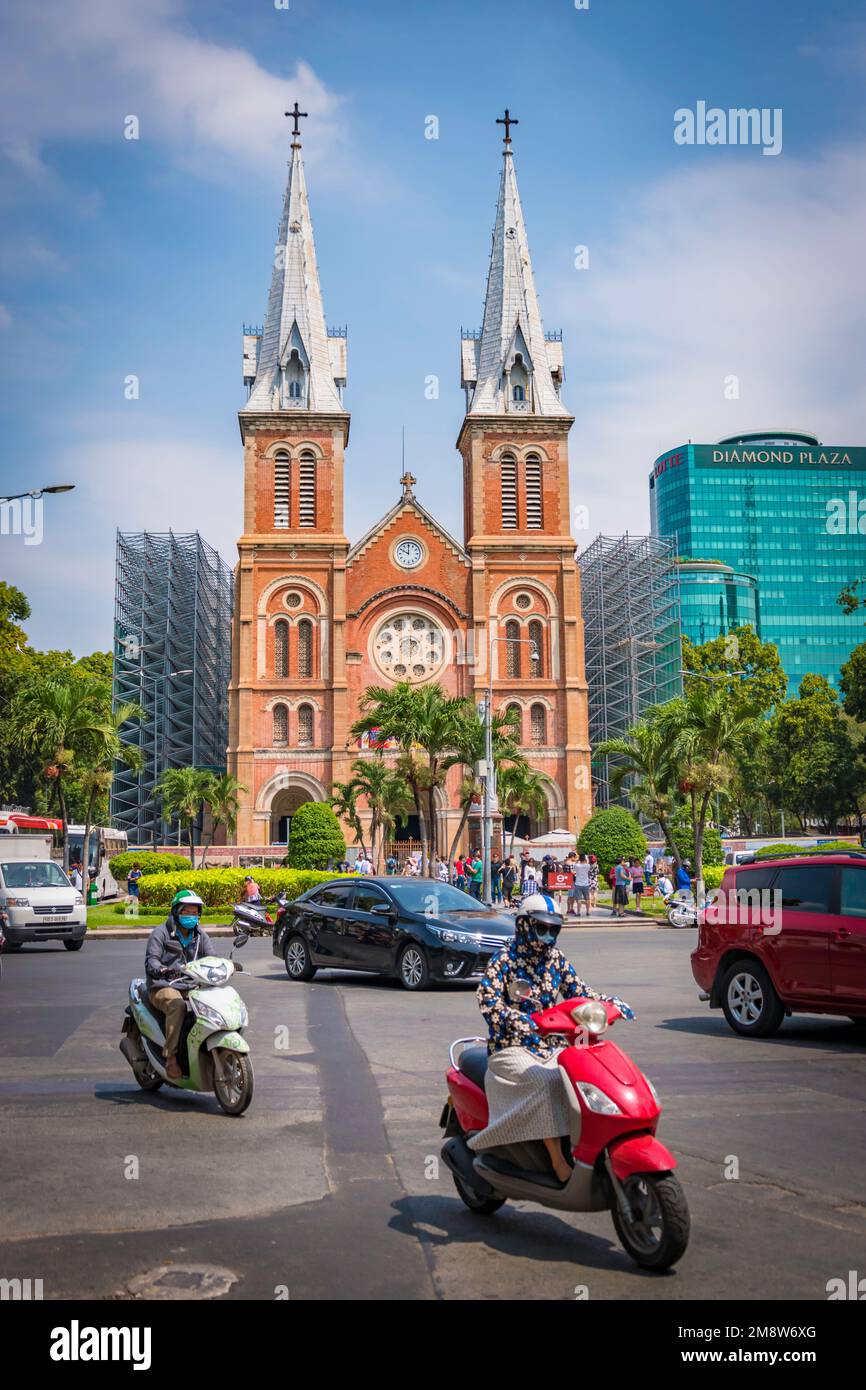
x: 40, y: 903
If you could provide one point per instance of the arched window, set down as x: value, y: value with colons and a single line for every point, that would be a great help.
x: 512, y: 649
x: 281, y: 490
x: 294, y: 377
x: 508, y: 469
x: 519, y: 378
x: 534, y: 505
x: 305, y: 647
x: 538, y: 724
x: 294, y: 390
x: 516, y: 714
x: 536, y: 651
x: 281, y: 649
x: 281, y: 724
x: 307, y: 491
x: 305, y: 725
x: 518, y: 393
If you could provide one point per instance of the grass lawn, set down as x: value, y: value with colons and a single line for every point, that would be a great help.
x: 106, y: 915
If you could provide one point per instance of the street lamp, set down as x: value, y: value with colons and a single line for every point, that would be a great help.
x: 489, y: 779
x: 37, y: 492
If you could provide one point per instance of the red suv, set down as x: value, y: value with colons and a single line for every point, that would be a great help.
x: 785, y: 935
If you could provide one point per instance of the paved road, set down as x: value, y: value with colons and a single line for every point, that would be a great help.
x: 329, y: 1186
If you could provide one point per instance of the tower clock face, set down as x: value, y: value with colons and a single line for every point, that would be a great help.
x: 408, y: 554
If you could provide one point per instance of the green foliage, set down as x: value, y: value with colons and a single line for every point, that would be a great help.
x: 761, y: 685
x: 149, y: 863
x: 316, y: 838
x: 683, y: 831
x: 713, y: 875
x: 610, y: 834
x: 222, y: 887
x: 781, y: 850
x: 853, y: 684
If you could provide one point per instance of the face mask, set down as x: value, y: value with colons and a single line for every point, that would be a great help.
x: 547, y: 938
x: 188, y: 924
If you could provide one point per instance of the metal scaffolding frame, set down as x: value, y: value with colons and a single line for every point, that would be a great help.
x: 631, y: 614
x: 172, y: 656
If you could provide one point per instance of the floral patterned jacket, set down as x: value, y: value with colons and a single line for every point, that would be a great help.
x: 551, y: 976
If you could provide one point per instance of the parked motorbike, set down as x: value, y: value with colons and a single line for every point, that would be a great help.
x: 213, y: 1053
x: 618, y: 1163
x: 255, y: 919
x: 682, y: 910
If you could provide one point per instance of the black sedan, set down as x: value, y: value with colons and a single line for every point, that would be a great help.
x: 416, y: 929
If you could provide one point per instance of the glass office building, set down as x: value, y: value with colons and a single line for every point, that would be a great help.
x: 714, y: 598
x: 789, y: 512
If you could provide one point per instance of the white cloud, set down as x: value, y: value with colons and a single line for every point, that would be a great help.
x: 76, y: 68
x: 726, y: 269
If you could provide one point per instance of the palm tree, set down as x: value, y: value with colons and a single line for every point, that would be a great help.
x: 105, y: 748
x: 647, y: 754
x: 59, y: 720
x: 522, y: 792
x: 387, y: 796
x: 224, y: 799
x: 183, y: 792
x: 344, y: 800
x: 471, y: 749
x: 707, y: 730
x: 426, y: 722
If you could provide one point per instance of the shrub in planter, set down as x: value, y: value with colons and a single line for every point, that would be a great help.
x: 783, y: 849
x: 316, y: 838
x: 149, y: 863
x: 222, y: 887
x: 610, y: 834
x: 713, y: 875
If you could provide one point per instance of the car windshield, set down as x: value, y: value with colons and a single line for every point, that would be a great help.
x: 43, y: 874
x: 433, y: 898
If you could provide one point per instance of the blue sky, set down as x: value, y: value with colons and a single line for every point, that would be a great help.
x: 145, y: 257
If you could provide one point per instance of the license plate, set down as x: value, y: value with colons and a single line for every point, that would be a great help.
x: 58, y: 922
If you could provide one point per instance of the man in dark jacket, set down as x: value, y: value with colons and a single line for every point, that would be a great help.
x: 170, y: 945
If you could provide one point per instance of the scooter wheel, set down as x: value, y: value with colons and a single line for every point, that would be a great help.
x: 482, y: 1206
x: 234, y: 1090
x: 659, y: 1233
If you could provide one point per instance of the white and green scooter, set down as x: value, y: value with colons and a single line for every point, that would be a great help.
x: 213, y: 1055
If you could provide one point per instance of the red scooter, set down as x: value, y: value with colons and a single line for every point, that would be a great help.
x: 618, y: 1164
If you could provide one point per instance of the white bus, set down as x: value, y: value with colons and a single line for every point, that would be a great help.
x: 104, y: 844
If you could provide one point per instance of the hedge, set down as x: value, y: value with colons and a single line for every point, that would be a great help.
x: 831, y: 845
x: 609, y: 835
x: 148, y: 862
x: 223, y: 887
x: 713, y: 875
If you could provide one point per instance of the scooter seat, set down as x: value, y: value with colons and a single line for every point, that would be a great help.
x: 473, y: 1063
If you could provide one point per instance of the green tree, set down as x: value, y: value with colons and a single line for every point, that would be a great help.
x: 103, y: 749
x: 611, y: 834
x: 387, y: 795
x: 223, y: 796
x: 425, y: 721
x: 316, y: 839
x: 707, y: 728
x: 522, y: 792
x: 183, y: 792
x: 646, y: 759
x: 853, y: 684
x: 344, y: 801
x: 60, y: 721
x: 820, y: 771
x: 748, y: 670
x: 471, y: 746
x: 683, y: 832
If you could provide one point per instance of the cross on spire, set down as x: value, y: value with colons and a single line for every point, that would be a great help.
x: 508, y: 121
x: 296, y: 114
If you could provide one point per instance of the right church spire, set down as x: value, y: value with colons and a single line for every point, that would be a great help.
x: 513, y: 367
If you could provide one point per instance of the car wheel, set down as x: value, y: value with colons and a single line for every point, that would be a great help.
x: 413, y: 971
x: 751, y: 1004
x: 299, y: 962
x: 74, y: 945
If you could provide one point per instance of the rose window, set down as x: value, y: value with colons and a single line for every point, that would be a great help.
x: 409, y: 646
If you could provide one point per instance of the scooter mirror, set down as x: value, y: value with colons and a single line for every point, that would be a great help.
x: 241, y: 938
x: 519, y: 990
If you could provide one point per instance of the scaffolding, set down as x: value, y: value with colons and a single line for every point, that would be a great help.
x: 172, y: 657
x: 631, y: 616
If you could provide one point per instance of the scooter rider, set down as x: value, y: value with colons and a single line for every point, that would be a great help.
x: 525, y: 1094
x: 170, y: 945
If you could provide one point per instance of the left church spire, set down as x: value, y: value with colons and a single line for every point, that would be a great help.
x: 295, y: 364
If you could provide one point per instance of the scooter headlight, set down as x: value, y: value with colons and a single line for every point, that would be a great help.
x: 655, y: 1095
x: 244, y: 1016
x: 596, y: 1100
x: 591, y: 1016
x: 209, y: 1015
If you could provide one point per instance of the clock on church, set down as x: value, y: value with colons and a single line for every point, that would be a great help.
x: 408, y: 554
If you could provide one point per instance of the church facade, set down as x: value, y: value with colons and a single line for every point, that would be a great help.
x: 320, y: 616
